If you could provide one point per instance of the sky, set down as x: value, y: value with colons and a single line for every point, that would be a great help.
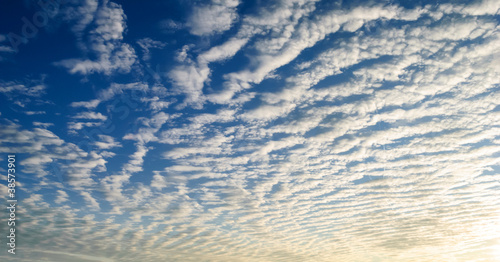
x: 230, y: 130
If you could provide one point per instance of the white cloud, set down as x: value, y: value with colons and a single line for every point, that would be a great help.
x: 30, y: 113
x: 190, y: 77
x: 91, y: 202
x: 89, y: 105
x: 83, y: 14
x: 6, y: 49
x: 81, y: 125
x: 90, y: 116
x: 103, y: 41
x: 289, y: 43
x: 116, y: 89
x: 113, y: 184
x: 49, y: 157
x: 222, y: 52
x: 267, y: 112
x: 476, y: 8
x: 107, y: 142
x: 61, y: 197
x: 215, y: 17
x: 12, y: 88
x: 158, y: 182
x: 156, y: 104
x: 111, y: 92
x: 43, y: 125
x: 120, y: 59
x: 170, y: 25
x: 152, y: 125
x: 147, y: 44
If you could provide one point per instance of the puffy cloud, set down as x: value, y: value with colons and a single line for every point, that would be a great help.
x: 190, y: 79
x: 104, y: 40
x: 91, y: 202
x: 152, y: 125
x: 113, y: 184
x: 212, y: 18
x: 120, y: 59
x: 191, y: 76
x: 51, y: 158
x: 307, y: 34
x: 80, y: 125
x: 106, y: 142
x: 61, y: 197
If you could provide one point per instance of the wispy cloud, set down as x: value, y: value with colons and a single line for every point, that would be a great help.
x: 90, y: 116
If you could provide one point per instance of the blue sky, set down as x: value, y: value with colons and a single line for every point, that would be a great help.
x: 226, y: 130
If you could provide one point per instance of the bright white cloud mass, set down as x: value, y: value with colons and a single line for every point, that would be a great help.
x: 287, y: 130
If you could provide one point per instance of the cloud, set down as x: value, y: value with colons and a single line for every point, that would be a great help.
x: 91, y: 202
x: 25, y: 93
x: 81, y: 125
x: 4, y: 48
x: 156, y: 104
x: 120, y: 59
x: 170, y: 25
x: 107, y: 142
x: 190, y: 77
x: 49, y: 156
x: 308, y: 33
x: 267, y: 112
x: 158, y: 182
x: 61, y: 197
x: 90, y: 116
x: 113, y: 184
x: 111, y: 92
x: 103, y: 41
x: 30, y: 113
x: 13, y: 88
x: 43, y: 125
x: 213, y: 18
x: 83, y: 15
x: 89, y: 105
x: 152, y: 125
x: 146, y: 44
